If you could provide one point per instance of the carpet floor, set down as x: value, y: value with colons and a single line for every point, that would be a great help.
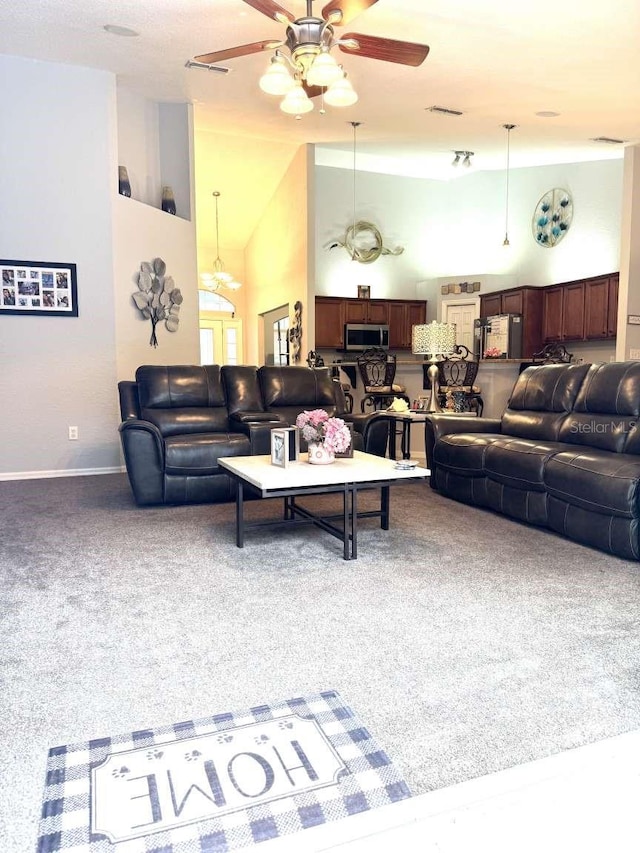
x: 467, y: 643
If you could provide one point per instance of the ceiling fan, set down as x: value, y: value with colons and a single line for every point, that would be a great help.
x: 308, y: 69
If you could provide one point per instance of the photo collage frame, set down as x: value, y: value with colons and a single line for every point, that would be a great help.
x: 38, y: 288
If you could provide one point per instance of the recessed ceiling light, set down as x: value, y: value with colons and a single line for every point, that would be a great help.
x: 115, y: 30
x: 547, y: 114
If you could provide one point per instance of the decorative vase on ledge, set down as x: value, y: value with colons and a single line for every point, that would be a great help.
x: 319, y: 455
x: 168, y: 200
x: 124, y: 187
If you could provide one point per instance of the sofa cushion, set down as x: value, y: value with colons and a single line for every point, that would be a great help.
x: 198, y: 454
x: 606, y: 409
x: 541, y: 399
x: 242, y: 389
x: 179, y: 386
x: 596, y: 480
x: 519, y: 462
x: 463, y: 453
x: 296, y: 387
x: 188, y: 421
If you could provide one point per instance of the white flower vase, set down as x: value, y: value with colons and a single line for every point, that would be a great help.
x: 319, y: 455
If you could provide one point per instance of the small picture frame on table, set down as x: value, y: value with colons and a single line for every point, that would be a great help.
x: 285, y: 446
x: 364, y: 291
x: 348, y: 453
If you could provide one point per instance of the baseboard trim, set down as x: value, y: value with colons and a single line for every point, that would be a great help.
x: 67, y: 472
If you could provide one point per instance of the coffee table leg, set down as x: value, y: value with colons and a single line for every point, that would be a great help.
x: 406, y: 439
x: 345, y: 523
x: 239, y: 514
x: 384, y: 507
x: 354, y: 522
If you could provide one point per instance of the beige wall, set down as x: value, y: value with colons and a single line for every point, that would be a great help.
x: 277, y: 263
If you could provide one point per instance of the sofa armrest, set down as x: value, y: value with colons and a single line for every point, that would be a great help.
x: 374, y: 428
x: 259, y: 434
x: 436, y: 426
x: 143, y: 449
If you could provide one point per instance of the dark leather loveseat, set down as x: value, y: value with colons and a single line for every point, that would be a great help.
x: 564, y: 455
x: 178, y: 420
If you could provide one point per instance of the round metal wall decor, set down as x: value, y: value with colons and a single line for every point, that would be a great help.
x: 552, y: 217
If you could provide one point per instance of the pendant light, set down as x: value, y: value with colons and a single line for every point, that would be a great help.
x: 219, y: 277
x: 508, y: 128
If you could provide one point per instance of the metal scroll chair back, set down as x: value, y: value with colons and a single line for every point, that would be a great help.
x: 457, y: 373
x: 314, y: 359
x: 377, y: 369
x: 552, y: 354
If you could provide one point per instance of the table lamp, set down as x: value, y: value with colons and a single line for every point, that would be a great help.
x: 433, y: 340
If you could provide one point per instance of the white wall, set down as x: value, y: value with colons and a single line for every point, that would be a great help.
x: 454, y: 231
x: 58, y: 175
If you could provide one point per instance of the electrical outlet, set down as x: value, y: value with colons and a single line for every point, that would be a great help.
x: 634, y: 354
x: 73, y: 433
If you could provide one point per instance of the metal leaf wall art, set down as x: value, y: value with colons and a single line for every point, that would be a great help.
x: 157, y: 297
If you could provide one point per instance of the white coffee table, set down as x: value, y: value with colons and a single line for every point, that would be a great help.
x: 346, y: 476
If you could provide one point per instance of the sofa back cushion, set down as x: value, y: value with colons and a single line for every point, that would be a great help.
x: 607, y: 408
x: 182, y: 398
x: 291, y: 390
x: 541, y: 399
x: 242, y: 388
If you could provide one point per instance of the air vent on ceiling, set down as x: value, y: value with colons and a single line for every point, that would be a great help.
x: 220, y: 69
x: 444, y: 111
x: 609, y: 140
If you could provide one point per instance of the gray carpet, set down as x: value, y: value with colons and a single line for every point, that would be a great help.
x: 465, y: 642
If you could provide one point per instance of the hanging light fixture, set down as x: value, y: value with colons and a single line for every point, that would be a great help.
x: 505, y: 242
x: 219, y: 277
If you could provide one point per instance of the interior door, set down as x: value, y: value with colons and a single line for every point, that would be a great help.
x: 462, y: 314
x: 220, y: 341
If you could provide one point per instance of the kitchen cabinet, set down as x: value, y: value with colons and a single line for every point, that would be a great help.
x: 586, y: 309
x: 366, y: 311
x: 402, y: 316
x: 332, y: 312
x: 527, y: 301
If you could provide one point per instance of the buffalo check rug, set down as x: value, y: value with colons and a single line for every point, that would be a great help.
x: 216, y: 784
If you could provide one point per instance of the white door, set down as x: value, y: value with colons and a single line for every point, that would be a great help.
x: 220, y: 341
x: 462, y: 314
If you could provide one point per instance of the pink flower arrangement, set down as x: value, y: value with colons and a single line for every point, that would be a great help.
x: 492, y: 352
x: 317, y: 427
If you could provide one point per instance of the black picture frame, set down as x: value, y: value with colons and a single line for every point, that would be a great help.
x: 39, y: 288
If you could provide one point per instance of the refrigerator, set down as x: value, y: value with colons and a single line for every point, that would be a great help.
x: 499, y: 336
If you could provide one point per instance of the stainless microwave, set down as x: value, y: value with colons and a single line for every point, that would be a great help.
x: 359, y: 336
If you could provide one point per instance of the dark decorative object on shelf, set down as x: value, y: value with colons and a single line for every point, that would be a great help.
x: 124, y: 187
x: 157, y: 298
x: 168, y: 200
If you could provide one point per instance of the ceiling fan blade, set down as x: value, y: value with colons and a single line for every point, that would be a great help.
x: 240, y: 50
x: 272, y: 10
x: 348, y: 9
x: 390, y: 50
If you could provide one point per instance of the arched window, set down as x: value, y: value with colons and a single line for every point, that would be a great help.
x: 208, y: 301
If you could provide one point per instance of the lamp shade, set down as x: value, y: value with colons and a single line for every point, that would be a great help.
x: 296, y: 102
x: 324, y: 70
x: 433, y: 339
x: 341, y: 93
x: 276, y: 80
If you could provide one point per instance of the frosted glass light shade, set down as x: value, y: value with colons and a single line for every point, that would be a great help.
x: 433, y: 339
x: 276, y: 80
x: 324, y: 71
x: 296, y: 102
x: 341, y: 93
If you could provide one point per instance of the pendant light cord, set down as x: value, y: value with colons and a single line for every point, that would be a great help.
x: 508, y: 128
x: 216, y: 195
x: 355, y: 125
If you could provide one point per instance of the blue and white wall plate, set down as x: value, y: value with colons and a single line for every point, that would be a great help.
x: 552, y: 217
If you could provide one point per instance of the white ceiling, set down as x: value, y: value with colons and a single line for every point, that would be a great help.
x: 498, y: 61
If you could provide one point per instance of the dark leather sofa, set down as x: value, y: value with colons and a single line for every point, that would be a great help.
x: 178, y: 420
x: 564, y: 455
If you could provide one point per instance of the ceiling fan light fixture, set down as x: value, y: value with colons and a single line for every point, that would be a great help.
x: 276, y: 80
x: 324, y: 70
x: 296, y: 102
x: 341, y: 93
